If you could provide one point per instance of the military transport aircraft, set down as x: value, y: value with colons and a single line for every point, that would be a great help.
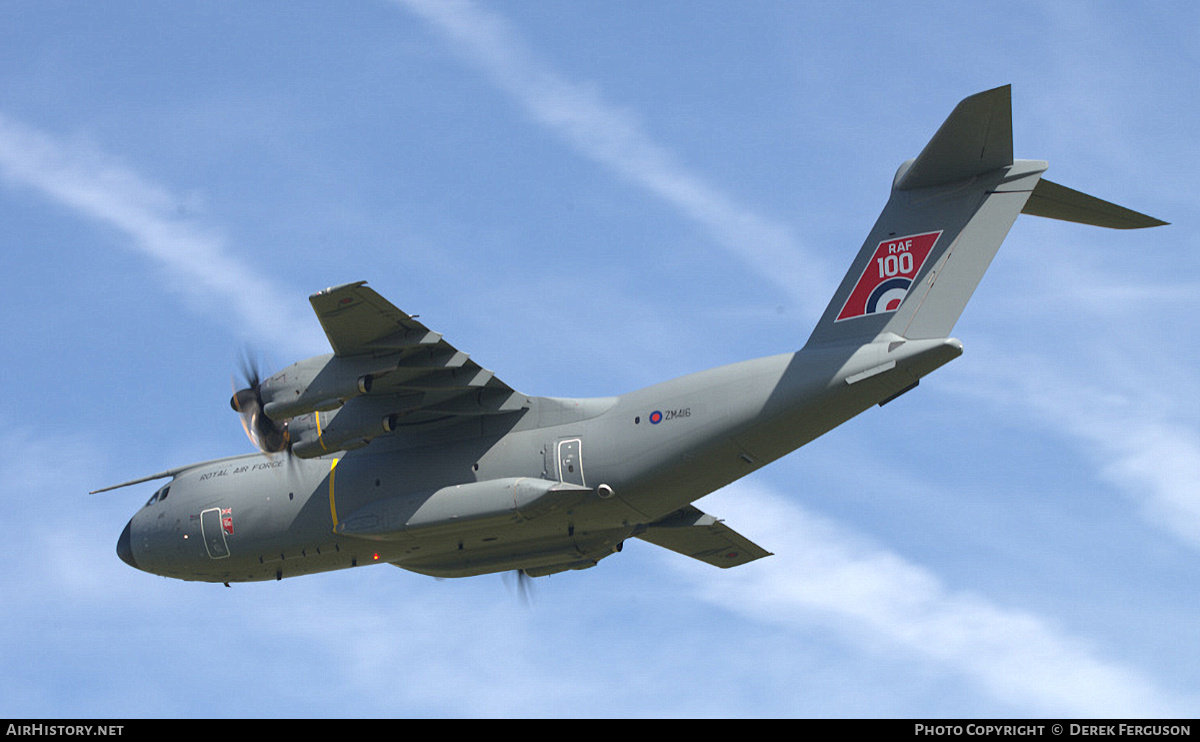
x: 399, y: 448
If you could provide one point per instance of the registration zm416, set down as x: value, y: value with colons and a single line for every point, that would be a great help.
x: 658, y: 416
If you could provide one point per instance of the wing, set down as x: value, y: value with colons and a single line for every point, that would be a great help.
x: 388, y: 371
x: 690, y: 532
x: 359, y: 321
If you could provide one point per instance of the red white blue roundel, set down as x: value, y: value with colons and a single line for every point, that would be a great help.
x: 889, y: 275
x: 655, y: 417
x: 886, y: 297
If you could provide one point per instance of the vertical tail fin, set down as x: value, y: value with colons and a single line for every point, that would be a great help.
x: 949, y: 210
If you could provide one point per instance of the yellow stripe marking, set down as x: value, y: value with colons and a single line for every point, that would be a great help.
x: 332, y: 505
x: 317, y: 416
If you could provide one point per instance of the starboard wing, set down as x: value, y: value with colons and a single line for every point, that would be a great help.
x: 388, y: 371
x: 359, y: 322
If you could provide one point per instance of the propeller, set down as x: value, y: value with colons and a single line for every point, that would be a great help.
x: 267, y: 435
x: 522, y: 584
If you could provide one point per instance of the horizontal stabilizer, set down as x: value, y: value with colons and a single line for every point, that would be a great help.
x: 1059, y: 202
x: 975, y: 139
x: 701, y: 536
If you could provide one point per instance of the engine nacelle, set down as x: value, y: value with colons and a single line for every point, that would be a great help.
x: 320, y: 384
x: 352, y: 426
x: 476, y: 503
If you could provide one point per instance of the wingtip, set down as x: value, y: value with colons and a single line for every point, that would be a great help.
x: 1000, y: 92
x: 331, y: 289
x: 1152, y: 222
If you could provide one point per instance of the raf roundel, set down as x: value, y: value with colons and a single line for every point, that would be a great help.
x: 655, y: 417
x: 887, y: 296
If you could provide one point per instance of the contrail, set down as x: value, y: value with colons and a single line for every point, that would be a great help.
x: 614, y: 138
x: 98, y: 187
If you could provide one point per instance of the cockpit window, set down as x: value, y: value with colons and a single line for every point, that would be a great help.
x: 160, y: 495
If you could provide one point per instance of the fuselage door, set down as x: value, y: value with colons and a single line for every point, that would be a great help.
x: 570, y: 462
x: 213, y: 531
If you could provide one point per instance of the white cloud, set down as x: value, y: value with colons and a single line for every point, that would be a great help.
x: 825, y: 575
x: 613, y: 137
x: 98, y: 187
x: 1102, y: 365
x: 1148, y: 453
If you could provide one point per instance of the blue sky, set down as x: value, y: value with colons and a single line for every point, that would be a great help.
x: 590, y: 198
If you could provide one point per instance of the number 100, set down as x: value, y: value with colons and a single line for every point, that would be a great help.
x: 895, y: 264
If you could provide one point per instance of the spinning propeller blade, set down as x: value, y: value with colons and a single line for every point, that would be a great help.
x: 267, y: 435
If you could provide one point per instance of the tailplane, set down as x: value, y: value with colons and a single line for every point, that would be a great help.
x: 1059, y: 202
x: 950, y: 208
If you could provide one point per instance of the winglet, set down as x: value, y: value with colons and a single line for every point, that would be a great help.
x: 976, y: 138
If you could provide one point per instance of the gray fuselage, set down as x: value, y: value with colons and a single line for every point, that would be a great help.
x: 438, y: 467
x: 624, y: 462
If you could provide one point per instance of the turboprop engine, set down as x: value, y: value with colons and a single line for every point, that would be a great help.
x: 286, y: 408
x: 349, y: 427
x: 320, y: 384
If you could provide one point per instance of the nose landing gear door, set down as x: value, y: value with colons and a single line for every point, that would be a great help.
x: 570, y: 462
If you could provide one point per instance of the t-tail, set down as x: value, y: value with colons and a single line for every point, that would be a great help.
x: 949, y: 210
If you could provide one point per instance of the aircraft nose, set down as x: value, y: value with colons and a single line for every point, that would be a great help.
x: 125, y: 549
